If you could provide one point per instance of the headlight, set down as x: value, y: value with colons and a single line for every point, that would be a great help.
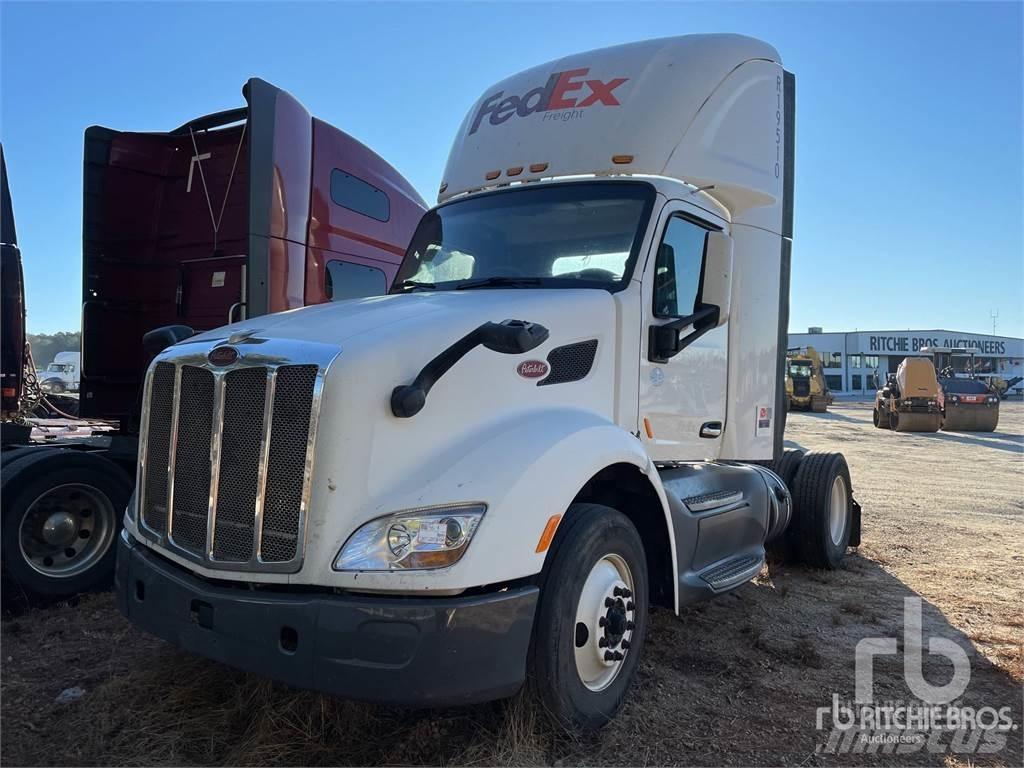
x: 418, y: 539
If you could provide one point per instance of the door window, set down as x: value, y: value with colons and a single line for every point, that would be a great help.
x: 679, y: 268
x: 345, y: 280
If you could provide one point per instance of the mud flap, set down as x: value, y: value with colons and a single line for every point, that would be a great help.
x: 855, y: 524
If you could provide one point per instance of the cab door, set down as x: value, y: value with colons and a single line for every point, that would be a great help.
x: 684, y: 348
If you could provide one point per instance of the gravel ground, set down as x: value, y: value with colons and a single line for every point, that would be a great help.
x: 736, y: 681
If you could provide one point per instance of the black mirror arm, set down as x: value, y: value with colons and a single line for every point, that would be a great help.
x: 510, y: 337
x: 664, y: 342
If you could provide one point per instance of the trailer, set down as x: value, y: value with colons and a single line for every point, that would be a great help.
x: 230, y: 216
x: 485, y: 479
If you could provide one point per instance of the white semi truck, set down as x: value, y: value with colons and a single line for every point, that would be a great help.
x: 567, y: 409
x: 63, y: 374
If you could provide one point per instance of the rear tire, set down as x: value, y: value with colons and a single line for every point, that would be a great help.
x: 62, y: 512
x: 822, y: 509
x: 596, y: 547
x: 880, y: 419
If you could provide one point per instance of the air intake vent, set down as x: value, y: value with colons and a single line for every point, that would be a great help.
x: 570, y: 363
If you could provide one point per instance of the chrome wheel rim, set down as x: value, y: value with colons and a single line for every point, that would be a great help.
x: 837, y: 509
x: 605, y: 622
x: 66, y: 530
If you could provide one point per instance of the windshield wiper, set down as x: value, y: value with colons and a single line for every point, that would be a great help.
x: 499, y: 281
x: 413, y: 284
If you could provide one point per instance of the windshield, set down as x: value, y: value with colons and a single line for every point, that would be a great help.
x: 800, y: 369
x: 564, y: 235
x: 59, y: 368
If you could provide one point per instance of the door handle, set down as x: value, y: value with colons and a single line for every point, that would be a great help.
x: 711, y: 429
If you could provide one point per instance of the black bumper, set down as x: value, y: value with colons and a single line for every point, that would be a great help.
x: 391, y: 650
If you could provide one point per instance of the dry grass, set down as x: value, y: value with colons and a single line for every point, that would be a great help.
x: 735, y: 681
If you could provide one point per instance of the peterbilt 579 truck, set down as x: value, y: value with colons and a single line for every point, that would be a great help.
x: 560, y: 415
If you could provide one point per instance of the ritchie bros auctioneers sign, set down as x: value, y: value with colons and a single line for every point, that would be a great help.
x: 912, y: 342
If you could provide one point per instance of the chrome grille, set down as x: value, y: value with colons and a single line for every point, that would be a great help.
x: 286, y: 460
x: 158, y: 427
x: 229, y: 451
x: 192, y: 458
x: 245, y: 394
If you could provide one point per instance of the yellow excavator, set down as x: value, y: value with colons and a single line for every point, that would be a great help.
x: 806, y: 388
x: 909, y: 401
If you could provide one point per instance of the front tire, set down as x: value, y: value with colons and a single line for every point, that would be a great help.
x: 880, y: 419
x: 592, y: 617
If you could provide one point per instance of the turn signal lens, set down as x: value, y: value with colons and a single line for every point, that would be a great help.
x: 548, y: 533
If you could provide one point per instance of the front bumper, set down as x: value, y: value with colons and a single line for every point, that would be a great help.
x: 409, y: 651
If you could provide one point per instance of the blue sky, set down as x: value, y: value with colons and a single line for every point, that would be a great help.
x: 909, y: 129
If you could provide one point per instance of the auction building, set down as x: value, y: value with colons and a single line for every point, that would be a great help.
x: 855, y: 362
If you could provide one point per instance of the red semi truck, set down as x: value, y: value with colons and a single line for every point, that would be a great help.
x: 241, y: 213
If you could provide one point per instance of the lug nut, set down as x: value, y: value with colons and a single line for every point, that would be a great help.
x: 626, y: 593
x: 619, y: 592
x: 602, y: 642
x: 602, y: 621
x: 609, y: 656
x: 625, y: 645
x: 629, y: 606
x: 630, y: 625
x: 608, y: 602
x: 618, y: 656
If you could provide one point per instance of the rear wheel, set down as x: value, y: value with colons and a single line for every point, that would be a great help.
x: 823, y: 509
x: 62, y: 510
x: 592, y: 617
x: 880, y: 419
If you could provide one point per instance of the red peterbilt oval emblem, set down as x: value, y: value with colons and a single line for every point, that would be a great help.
x: 532, y: 369
x: 222, y: 355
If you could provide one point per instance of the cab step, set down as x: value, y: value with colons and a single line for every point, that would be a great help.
x: 732, y: 572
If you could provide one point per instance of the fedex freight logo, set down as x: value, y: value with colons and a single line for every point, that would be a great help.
x: 563, y: 90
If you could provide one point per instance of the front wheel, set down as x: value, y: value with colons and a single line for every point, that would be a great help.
x: 592, y: 617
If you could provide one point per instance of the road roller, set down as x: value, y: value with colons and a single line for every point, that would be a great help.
x: 909, y: 401
x: 968, y: 402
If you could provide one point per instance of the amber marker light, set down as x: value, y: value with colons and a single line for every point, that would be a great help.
x: 648, y: 428
x: 538, y: 167
x: 492, y: 175
x: 548, y: 533
x: 622, y: 159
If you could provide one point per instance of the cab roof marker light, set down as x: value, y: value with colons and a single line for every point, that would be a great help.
x: 444, y: 186
x: 492, y: 175
x: 514, y: 170
x: 622, y: 159
x: 538, y: 167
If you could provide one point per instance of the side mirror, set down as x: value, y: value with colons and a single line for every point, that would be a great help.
x: 159, y: 339
x: 718, y: 274
x: 664, y: 341
x: 510, y: 337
